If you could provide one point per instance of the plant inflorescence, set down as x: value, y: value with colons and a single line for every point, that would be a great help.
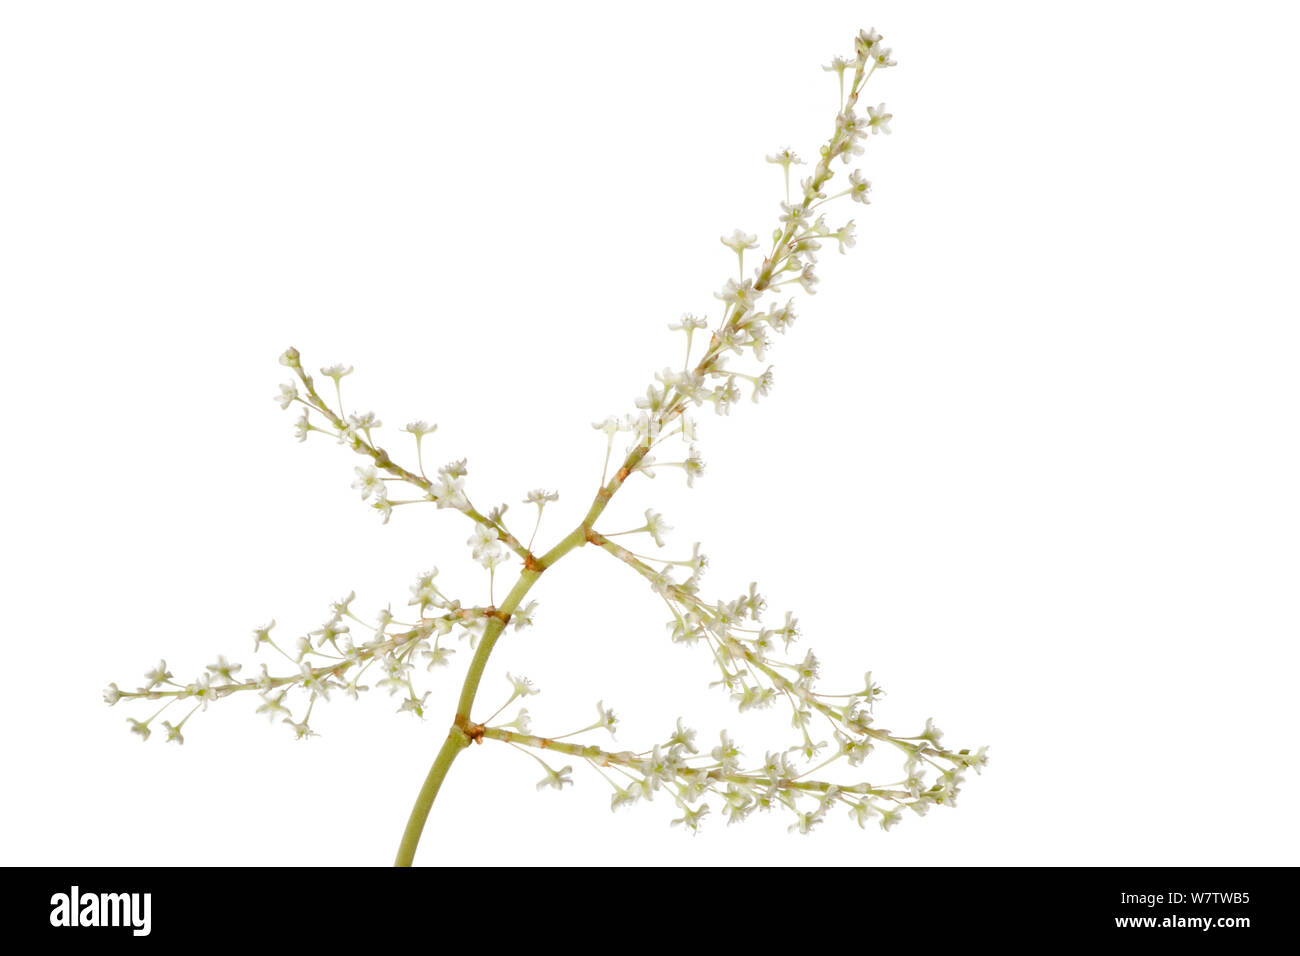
x: 754, y: 657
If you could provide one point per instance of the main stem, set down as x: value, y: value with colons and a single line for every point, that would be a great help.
x: 459, y: 736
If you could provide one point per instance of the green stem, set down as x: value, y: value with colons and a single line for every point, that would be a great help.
x: 458, y: 737
x: 456, y: 741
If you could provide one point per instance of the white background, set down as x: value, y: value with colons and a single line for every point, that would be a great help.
x: 1031, y: 457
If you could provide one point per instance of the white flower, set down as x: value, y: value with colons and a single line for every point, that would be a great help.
x: 865, y: 41
x: 693, y: 466
x: 683, y: 737
x: 365, y: 421
x: 607, y: 718
x: 414, y: 706
x: 157, y: 676
x: 523, y: 616
x: 859, y: 188
x: 301, y: 730
x: 785, y: 157
x: 447, y: 491
x: 555, y: 778
x: 795, y: 215
x: 691, y: 818
x: 879, y: 122
x: 539, y: 497
x: 112, y: 695
x: 423, y: 591
x: 420, y: 429
x: 261, y: 635
x: 727, y: 754
x: 336, y: 372
x: 523, y: 686
x: 287, y: 395
x: 851, y: 124
x: 485, y: 542
x: 931, y: 732
x: 838, y: 66
x: 331, y: 630
x: 781, y: 319
x: 311, y: 680
x: 223, y: 668
x: 739, y: 241
x: 688, y: 323
x: 889, y: 818
x: 656, y: 526
x: 521, y: 722
x: 742, y: 294
x: 805, y: 822
x: 273, y: 705
x: 369, y: 483
x: 845, y: 236
x: 202, y: 689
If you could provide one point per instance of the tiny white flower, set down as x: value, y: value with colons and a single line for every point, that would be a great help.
x: 448, y: 492
x: 742, y: 294
x: 739, y: 241
x: 866, y: 40
x: 484, y: 541
x: 522, y: 685
x: 273, y: 705
x: 859, y: 187
x: 845, y: 236
x: 683, y: 737
x: 414, y: 706
x: 931, y: 732
x: 369, y: 483
x: 287, y: 395
x: 523, y: 616
x: 301, y: 730
x: 606, y: 717
x: 838, y: 66
x: 158, y: 675
x: 691, y: 818
x: 785, y: 157
x: 223, y: 668
x: 555, y: 778
x: 337, y: 372
x: 879, y: 122
x: 656, y: 526
x: 364, y: 422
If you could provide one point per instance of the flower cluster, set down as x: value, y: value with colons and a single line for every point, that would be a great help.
x: 752, y: 655
x: 696, y: 778
x: 333, y: 658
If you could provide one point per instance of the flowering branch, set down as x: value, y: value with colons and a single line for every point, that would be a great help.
x: 834, y: 730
